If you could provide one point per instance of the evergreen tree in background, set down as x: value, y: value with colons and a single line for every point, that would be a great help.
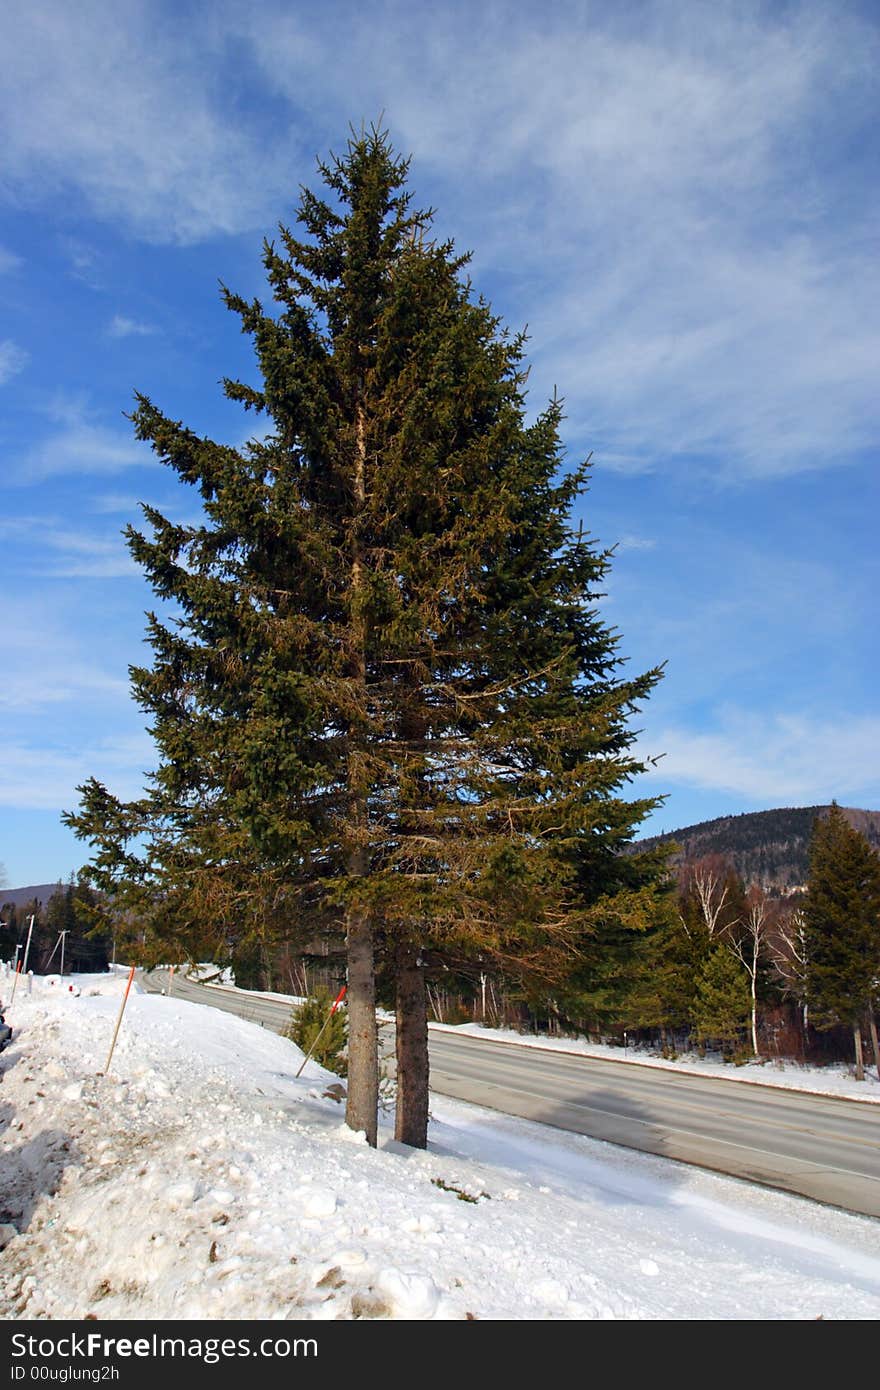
x: 60, y: 916
x: 721, y: 1004
x: 700, y: 910
x: 17, y: 927
x: 73, y: 908
x: 384, y: 702
x: 9, y: 931
x: 842, y: 930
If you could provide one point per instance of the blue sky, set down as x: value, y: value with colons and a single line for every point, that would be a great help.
x: 680, y: 200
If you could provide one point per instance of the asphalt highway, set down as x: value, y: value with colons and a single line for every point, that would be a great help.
x: 816, y: 1146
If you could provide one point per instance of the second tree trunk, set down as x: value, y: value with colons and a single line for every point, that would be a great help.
x: 411, y: 1119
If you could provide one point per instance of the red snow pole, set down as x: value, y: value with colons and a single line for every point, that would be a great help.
x: 119, y: 1019
x: 336, y: 1002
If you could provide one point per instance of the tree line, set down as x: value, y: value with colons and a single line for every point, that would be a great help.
x: 71, y: 909
x: 732, y: 967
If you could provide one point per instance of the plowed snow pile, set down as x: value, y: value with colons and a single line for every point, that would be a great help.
x: 201, y: 1180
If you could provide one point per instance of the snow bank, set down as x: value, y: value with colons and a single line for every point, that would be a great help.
x: 200, y: 1179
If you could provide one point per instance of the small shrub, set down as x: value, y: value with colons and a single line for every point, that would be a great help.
x: 387, y: 1089
x: 306, y: 1022
x: 459, y: 1191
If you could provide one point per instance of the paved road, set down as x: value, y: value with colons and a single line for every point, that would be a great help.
x: 816, y: 1146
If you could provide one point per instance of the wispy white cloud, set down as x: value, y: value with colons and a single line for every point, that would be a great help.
x: 80, y: 444
x: 763, y: 368
x: 631, y: 542
x: 46, y: 665
x: 37, y: 777
x: 777, y: 760
x: 671, y: 196
x: 122, y: 327
x: 113, y: 503
x: 132, y: 114
x: 13, y: 359
x: 58, y: 551
x: 84, y: 261
x: 8, y: 261
x: 737, y: 619
x: 669, y: 192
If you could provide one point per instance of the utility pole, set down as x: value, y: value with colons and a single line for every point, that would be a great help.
x: 63, y: 934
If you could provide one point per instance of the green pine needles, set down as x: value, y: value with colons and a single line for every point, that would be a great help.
x: 842, y: 928
x: 386, y: 705
x: 313, y: 1026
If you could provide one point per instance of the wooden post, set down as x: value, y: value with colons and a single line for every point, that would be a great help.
x: 119, y: 1019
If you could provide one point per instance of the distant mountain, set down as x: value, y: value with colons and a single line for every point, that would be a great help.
x: 21, y: 896
x: 770, y: 848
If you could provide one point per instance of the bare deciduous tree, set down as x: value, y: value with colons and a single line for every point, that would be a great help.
x: 788, y: 950
x: 751, y: 947
x: 710, y: 880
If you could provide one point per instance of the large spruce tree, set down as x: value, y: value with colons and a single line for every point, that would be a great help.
x: 842, y: 929
x: 385, y: 690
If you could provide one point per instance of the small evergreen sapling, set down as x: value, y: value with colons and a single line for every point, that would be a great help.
x: 307, y: 1021
x: 722, y: 1003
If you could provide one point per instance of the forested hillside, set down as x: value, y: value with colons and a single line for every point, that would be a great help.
x: 769, y: 848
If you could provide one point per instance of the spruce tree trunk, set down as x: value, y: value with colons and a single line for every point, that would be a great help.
x: 872, y: 1024
x: 362, y: 1101
x: 411, y: 1120
x: 860, y: 1061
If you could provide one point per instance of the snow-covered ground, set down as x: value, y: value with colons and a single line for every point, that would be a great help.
x: 201, y: 1180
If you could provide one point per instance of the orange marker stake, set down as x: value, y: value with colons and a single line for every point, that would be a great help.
x: 119, y: 1019
x: 15, y: 981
